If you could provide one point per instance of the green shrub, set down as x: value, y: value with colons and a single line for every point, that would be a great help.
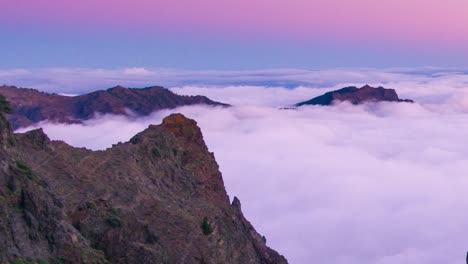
x: 18, y: 261
x: 90, y: 205
x: 113, y: 218
x: 22, y: 165
x: 155, y: 153
x: 24, y: 168
x: 114, y: 221
x: 5, y: 105
x: 42, y: 261
x: 29, y: 261
x: 11, y: 141
x: 206, y: 227
x: 58, y: 260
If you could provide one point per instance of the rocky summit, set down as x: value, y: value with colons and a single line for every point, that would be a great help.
x: 32, y: 106
x: 158, y: 198
x: 356, y: 96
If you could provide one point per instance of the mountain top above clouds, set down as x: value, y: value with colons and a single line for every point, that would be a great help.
x: 32, y: 106
x: 356, y: 95
x: 159, y: 198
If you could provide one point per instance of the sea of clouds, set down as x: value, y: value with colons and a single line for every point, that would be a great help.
x: 378, y: 183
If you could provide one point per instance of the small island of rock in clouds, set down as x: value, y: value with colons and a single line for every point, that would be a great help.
x: 356, y: 95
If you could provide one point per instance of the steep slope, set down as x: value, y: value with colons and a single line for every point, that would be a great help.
x: 33, y: 222
x: 32, y: 106
x: 356, y: 95
x: 158, y: 198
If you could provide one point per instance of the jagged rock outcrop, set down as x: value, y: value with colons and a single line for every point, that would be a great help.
x: 33, y: 222
x: 356, y: 95
x: 158, y: 198
x: 32, y: 106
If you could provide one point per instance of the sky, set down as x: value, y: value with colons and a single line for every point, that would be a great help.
x: 377, y: 183
x: 233, y: 35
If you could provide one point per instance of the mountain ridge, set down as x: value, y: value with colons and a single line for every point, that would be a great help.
x: 356, y: 96
x: 158, y: 198
x: 32, y: 106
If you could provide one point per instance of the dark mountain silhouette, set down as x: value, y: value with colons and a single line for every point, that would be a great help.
x: 356, y: 95
x: 32, y: 106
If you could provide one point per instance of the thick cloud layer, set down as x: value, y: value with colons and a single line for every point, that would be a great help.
x: 82, y: 80
x: 373, y: 184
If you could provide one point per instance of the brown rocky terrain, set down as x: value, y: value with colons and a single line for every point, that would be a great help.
x: 32, y: 106
x: 158, y: 198
x: 356, y: 95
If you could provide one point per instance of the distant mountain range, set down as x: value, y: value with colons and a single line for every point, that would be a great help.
x: 32, y: 106
x: 356, y: 96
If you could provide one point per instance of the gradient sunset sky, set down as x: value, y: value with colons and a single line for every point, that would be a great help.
x: 241, y: 34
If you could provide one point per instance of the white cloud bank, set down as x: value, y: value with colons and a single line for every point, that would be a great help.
x: 371, y: 184
x: 81, y: 80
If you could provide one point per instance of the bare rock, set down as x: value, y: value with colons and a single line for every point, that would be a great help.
x: 356, y: 96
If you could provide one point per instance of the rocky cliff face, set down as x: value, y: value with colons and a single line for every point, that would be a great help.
x: 158, y: 198
x: 356, y: 95
x: 32, y: 106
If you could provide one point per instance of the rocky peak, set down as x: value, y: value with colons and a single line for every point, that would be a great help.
x: 117, y: 88
x: 367, y: 86
x: 184, y: 128
x: 159, y: 198
x: 356, y: 95
x: 236, y: 204
x: 177, y: 120
x: 36, y: 137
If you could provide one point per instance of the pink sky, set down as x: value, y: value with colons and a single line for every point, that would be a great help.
x: 435, y: 21
x: 237, y: 34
